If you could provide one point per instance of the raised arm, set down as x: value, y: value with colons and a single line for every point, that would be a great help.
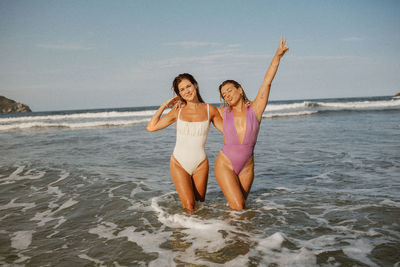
x: 260, y: 103
x: 157, y: 122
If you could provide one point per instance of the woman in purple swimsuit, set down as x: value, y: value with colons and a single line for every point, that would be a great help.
x: 234, y: 167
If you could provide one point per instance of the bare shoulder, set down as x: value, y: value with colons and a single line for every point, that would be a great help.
x: 220, y: 110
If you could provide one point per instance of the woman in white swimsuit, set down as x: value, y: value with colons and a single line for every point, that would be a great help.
x: 189, y: 162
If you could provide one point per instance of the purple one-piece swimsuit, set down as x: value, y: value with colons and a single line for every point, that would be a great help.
x: 239, y: 153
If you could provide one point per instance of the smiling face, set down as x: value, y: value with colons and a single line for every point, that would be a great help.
x: 187, y: 91
x: 231, y: 94
x: 185, y: 86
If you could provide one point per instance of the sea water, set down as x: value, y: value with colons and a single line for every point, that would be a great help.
x: 93, y: 188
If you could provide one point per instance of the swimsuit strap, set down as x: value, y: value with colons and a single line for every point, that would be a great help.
x: 179, y: 113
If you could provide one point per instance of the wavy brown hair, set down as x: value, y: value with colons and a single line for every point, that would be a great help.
x: 190, y: 78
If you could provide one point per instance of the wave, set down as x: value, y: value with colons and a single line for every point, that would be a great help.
x: 289, y: 114
x: 71, y: 125
x: 94, y: 115
x: 339, y: 105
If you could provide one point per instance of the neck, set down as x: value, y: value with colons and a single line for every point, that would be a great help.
x: 239, y: 106
x: 193, y: 103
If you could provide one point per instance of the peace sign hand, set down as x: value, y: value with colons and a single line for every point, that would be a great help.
x: 282, y: 47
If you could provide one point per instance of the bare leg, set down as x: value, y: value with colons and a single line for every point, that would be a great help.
x: 183, y: 184
x: 200, y: 178
x: 229, y: 182
x: 246, y: 177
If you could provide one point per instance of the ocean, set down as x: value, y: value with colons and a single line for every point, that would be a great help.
x: 93, y: 188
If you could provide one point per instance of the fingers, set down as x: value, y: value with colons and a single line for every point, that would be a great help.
x: 283, y: 41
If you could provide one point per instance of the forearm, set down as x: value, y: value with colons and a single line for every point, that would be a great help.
x: 152, y: 125
x: 273, y: 68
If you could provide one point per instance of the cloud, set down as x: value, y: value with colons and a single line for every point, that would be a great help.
x: 213, y: 66
x: 234, y: 46
x: 351, y: 39
x: 193, y: 44
x: 65, y: 47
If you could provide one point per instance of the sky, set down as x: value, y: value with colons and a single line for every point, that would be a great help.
x: 65, y: 55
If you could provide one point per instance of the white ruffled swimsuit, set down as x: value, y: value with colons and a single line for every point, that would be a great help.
x: 191, y: 139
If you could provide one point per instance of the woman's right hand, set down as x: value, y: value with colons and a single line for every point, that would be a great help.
x: 172, y: 101
x: 175, y: 102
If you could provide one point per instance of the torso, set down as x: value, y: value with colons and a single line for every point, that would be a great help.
x: 240, y: 129
x: 191, y: 137
x: 239, y: 150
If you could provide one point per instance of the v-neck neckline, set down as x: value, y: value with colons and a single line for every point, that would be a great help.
x: 245, y: 129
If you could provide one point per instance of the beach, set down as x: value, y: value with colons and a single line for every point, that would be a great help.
x: 93, y: 188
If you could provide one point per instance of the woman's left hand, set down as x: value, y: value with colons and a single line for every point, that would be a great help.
x: 282, y: 48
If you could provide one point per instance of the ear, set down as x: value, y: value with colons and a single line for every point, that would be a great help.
x: 240, y: 90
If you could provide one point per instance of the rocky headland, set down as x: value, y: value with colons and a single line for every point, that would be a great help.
x: 11, y: 106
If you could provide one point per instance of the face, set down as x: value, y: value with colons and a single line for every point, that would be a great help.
x: 187, y: 90
x: 231, y: 94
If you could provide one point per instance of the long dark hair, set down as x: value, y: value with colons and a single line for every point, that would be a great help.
x: 237, y: 86
x: 190, y: 78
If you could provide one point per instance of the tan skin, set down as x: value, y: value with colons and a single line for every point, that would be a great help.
x: 236, y: 188
x: 190, y: 188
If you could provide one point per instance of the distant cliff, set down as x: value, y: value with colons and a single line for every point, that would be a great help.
x: 10, y: 106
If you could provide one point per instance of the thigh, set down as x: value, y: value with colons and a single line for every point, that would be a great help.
x: 246, y: 177
x: 229, y: 182
x: 200, y: 178
x: 183, y: 184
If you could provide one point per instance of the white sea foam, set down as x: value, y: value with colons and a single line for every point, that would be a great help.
x: 359, y: 250
x: 272, y: 242
x: 53, y: 207
x: 105, y: 230
x: 360, y: 104
x: 203, y: 235
x: 278, y: 107
x: 93, y: 115
x: 93, y: 124
x: 63, y: 176
x: 289, y: 114
x: 338, y: 105
x: 21, y: 239
x: 388, y: 202
x: 149, y: 242
x: 18, y: 176
x: 97, y: 262
x: 12, y: 204
x: 273, y: 253
x: 110, y: 119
